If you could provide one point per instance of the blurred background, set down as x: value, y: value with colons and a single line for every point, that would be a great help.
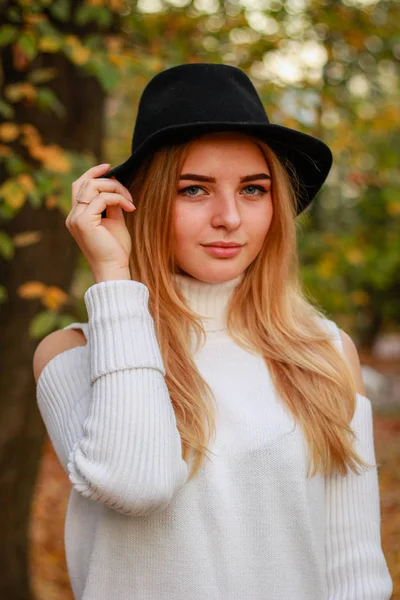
x: 71, y: 77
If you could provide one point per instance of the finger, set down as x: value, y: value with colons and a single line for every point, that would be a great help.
x: 100, y: 203
x: 113, y: 184
x: 91, y: 188
x: 95, y: 171
x: 116, y: 213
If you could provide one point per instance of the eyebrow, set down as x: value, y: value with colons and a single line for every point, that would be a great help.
x: 196, y: 177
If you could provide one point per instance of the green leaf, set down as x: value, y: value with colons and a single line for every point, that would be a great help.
x: 45, y: 181
x: 6, y: 110
x: 35, y: 198
x: 43, y: 323
x: 6, y: 246
x: 42, y: 75
x: 107, y: 74
x: 104, y: 16
x: 29, y: 45
x: 8, y: 33
x: 47, y: 99
x: 391, y: 193
x: 99, y: 14
x: 94, y: 42
x: 84, y: 14
x: 60, y: 9
x: 6, y: 211
x: 64, y: 320
x: 16, y: 165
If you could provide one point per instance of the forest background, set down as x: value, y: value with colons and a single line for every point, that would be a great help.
x: 71, y: 77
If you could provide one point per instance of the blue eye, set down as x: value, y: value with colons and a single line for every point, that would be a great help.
x: 190, y: 187
x: 259, y: 188
x: 256, y: 188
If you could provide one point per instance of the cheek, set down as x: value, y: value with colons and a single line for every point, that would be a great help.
x: 187, y: 224
x: 186, y: 227
x: 260, y: 224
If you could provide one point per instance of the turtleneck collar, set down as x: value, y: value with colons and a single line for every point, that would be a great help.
x: 210, y: 300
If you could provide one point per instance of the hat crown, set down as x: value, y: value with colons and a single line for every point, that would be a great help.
x: 192, y: 99
x: 197, y: 93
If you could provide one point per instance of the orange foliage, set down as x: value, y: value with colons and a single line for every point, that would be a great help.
x: 8, y: 132
x: 52, y: 297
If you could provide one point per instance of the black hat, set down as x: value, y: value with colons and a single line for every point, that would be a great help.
x: 190, y: 99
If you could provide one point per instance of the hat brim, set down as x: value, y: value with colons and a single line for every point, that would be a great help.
x: 309, y: 157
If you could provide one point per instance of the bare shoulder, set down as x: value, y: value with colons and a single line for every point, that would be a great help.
x: 351, y: 353
x: 53, y: 344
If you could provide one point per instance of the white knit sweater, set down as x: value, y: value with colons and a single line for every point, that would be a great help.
x: 249, y: 526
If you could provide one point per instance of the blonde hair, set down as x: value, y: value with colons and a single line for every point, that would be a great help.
x: 268, y: 313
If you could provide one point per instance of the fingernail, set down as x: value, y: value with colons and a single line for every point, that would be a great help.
x: 105, y: 165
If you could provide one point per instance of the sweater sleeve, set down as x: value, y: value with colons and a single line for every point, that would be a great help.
x: 356, y: 568
x: 128, y: 453
x: 63, y: 395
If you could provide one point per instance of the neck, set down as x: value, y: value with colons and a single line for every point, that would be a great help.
x: 209, y: 300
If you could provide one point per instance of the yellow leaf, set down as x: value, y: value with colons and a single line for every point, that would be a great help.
x: 355, y: 256
x: 49, y: 44
x: 393, y: 208
x: 30, y: 135
x: 72, y: 40
x: 116, y: 60
x: 31, y: 289
x: 17, y: 91
x: 9, y: 132
x: 13, y: 194
x: 29, y: 129
x: 53, y: 158
x: 326, y: 267
x: 54, y: 297
x: 27, y: 238
x: 26, y: 181
x: 360, y: 297
x: 80, y: 55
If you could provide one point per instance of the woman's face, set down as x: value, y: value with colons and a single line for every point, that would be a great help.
x: 224, y: 195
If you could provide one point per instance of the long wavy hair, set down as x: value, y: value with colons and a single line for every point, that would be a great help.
x: 268, y: 313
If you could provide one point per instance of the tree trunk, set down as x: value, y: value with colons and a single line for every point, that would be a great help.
x: 52, y: 261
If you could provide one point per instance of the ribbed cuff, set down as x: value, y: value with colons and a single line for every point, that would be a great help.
x: 121, y: 328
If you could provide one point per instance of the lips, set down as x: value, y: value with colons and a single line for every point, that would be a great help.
x: 223, y: 251
x: 224, y: 245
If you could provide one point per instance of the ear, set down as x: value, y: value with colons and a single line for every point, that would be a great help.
x: 353, y: 360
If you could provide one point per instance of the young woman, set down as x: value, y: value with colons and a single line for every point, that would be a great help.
x: 211, y: 419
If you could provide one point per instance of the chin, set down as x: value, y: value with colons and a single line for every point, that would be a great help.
x: 219, y: 275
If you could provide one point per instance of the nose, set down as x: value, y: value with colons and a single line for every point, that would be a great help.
x: 226, y: 211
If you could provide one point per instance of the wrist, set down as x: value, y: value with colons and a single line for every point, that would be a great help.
x: 112, y: 275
